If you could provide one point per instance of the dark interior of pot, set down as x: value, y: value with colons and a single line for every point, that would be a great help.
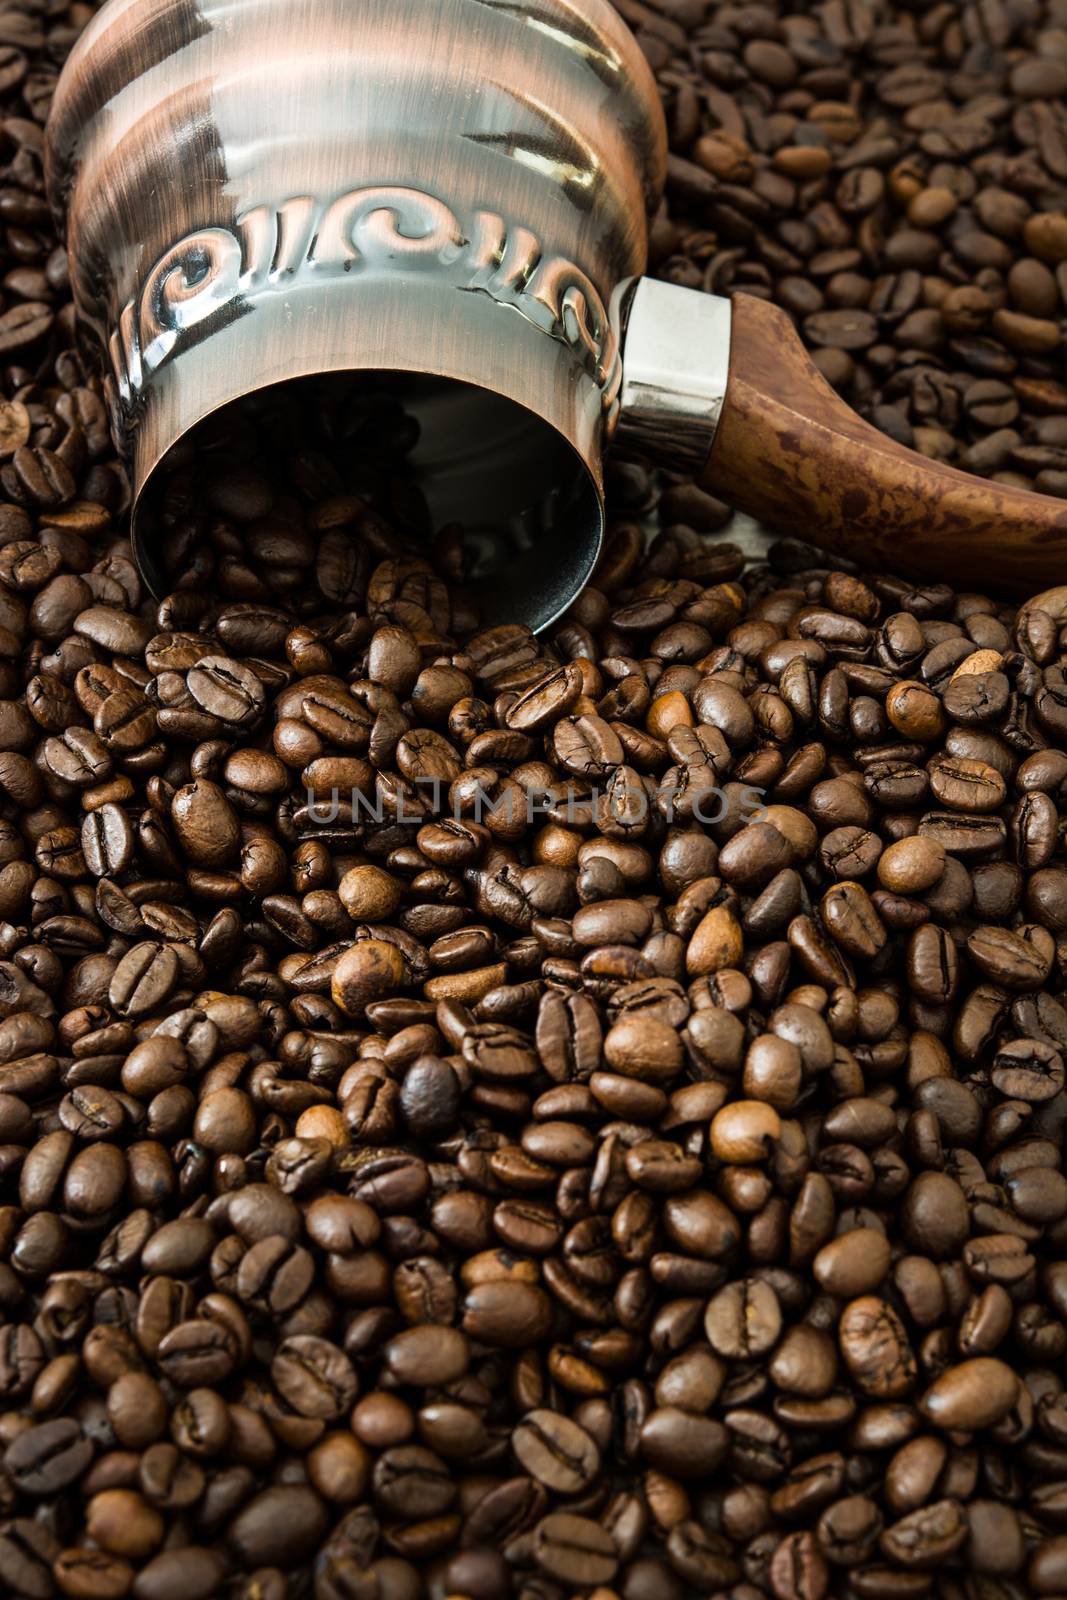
x: 525, y: 507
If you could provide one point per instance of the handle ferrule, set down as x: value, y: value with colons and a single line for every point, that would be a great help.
x: 676, y: 365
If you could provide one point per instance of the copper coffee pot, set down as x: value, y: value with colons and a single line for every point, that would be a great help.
x: 456, y: 191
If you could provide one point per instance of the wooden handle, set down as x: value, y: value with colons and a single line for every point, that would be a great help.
x: 789, y: 451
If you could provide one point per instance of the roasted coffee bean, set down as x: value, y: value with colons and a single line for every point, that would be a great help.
x: 911, y: 865
x: 743, y: 1320
x: 574, y: 1550
x: 46, y: 1459
x: 107, y: 841
x: 314, y: 1377
x: 975, y: 1394
x: 192, y: 1572
x: 875, y: 1347
x: 934, y: 1215
x: 143, y: 978
x: 280, y: 1525
x: 226, y: 689
x: 87, y: 1574
x: 197, y: 1353
x: 1028, y: 1069
x: 926, y: 1537
x: 502, y: 1313
x: 427, y: 1356
x: 556, y: 1451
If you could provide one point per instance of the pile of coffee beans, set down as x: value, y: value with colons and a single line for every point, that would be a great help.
x: 894, y: 174
x: 489, y: 1115
x: 580, y: 1116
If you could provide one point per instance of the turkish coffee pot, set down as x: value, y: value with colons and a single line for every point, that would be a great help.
x: 456, y: 193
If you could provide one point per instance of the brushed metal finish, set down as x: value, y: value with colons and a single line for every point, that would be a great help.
x: 676, y: 366
x: 261, y: 190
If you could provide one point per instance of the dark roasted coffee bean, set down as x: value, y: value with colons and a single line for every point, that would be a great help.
x: 314, y: 1377
x: 46, y: 1459
x: 743, y: 1320
x: 574, y: 1550
x: 876, y: 1349
x: 1028, y: 1069
x: 282, y: 1524
x: 226, y: 689
x: 975, y: 1394
x: 925, y: 1537
x: 556, y: 1451
x: 143, y: 978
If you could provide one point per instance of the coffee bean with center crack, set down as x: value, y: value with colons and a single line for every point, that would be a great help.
x: 556, y: 1451
x: 314, y: 1377
x: 574, y: 1550
x: 45, y: 1459
x: 875, y: 1347
x: 743, y: 1320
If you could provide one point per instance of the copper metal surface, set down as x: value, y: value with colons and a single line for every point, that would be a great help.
x: 259, y: 190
